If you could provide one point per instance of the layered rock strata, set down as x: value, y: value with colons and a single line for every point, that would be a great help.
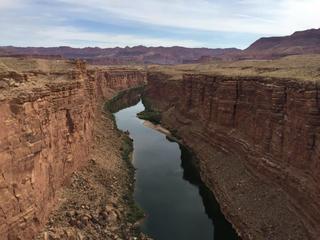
x: 47, y: 116
x: 257, y: 141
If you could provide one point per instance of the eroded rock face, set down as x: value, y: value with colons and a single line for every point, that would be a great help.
x: 271, y: 127
x: 46, y: 134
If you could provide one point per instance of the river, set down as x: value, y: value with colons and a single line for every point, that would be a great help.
x: 168, y: 188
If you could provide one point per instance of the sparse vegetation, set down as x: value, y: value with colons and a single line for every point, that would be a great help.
x: 126, y: 148
x: 300, y: 67
x: 135, y: 213
x: 35, y: 65
x: 149, y: 113
x: 152, y: 116
x: 115, y: 104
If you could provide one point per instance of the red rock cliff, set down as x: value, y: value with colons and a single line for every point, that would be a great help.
x: 258, y: 143
x: 46, y: 132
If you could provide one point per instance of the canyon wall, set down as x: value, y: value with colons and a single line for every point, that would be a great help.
x: 258, y: 145
x: 47, y: 120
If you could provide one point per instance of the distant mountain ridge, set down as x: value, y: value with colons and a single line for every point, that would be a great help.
x: 301, y: 42
x: 138, y: 54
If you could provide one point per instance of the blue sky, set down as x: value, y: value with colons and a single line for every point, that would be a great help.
x: 190, y: 23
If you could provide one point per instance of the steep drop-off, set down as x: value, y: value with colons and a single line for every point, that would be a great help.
x: 257, y: 141
x: 48, y: 110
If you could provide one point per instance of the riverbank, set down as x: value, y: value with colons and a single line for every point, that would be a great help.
x: 251, y: 196
x: 168, y: 186
x: 98, y: 201
x: 157, y: 127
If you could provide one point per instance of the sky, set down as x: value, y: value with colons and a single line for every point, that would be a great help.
x: 189, y: 23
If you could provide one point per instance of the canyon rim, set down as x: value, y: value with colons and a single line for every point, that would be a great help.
x: 218, y: 138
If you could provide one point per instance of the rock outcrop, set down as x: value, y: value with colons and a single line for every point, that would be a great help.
x: 257, y: 141
x: 301, y: 42
x: 47, y: 114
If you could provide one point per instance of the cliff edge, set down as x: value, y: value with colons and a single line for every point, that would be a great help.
x: 257, y: 142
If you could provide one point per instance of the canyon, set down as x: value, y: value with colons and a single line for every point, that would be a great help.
x: 48, y: 112
x: 253, y: 127
x: 256, y: 140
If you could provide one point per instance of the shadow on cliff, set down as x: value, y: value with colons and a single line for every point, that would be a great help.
x: 124, y: 99
x: 222, y: 228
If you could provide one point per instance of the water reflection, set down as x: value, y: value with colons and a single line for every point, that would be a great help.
x: 168, y: 187
x: 222, y: 228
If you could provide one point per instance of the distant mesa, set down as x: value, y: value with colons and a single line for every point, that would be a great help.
x: 302, y: 42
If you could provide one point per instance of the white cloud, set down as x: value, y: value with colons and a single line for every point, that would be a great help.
x: 5, y: 4
x: 59, y: 22
x: 262, y: 17
x: 70, y: 36
x: 299, y: 14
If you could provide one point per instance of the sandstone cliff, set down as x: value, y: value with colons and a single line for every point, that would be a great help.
x: 257, y: 141
x: 47, y: 110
